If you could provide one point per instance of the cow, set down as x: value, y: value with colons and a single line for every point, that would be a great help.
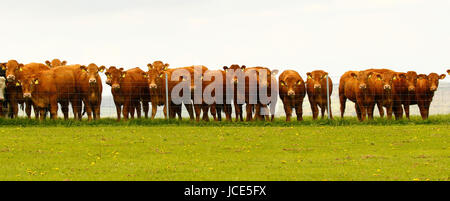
x: 128, y: 89
x: 266, y: 82
x: 49, y: 87
x: 425, y: 88
x: 234, y: 84
x: 316, y: 88
x: 15, y: 72
x: 55, y: 63
x: 404, y: 93
x: 3, y: 100
x: 292, y: 92
x: 156, y: 79
x: 355, y: 86
x: 216, y: 108
x: 90, y: 89
x: 383, y: 90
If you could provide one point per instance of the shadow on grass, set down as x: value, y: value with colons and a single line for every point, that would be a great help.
x: 347, y: 121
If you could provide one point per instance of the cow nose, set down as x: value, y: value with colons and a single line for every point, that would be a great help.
x: 11, y: 78
x: 26, y: 95
x: 116, y: 86
x: 387, y: 87
x: 411, y: 89
x: 362, y: 86
x: 152, y: 86
x: 317, y: 86
x: 291, y: 93
x: 92, y: 81
x: 433, y: 88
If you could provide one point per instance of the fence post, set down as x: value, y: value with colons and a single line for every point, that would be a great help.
x: 167, y: 98
x: 328, y: 100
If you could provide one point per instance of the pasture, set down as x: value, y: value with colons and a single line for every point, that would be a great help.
x: 182, y: 150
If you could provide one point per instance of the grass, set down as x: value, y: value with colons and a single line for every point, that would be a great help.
x: 184, y: 150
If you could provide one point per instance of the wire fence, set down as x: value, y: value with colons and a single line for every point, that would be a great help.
x: 439, y: 105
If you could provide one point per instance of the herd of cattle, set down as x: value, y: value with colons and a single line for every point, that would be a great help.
x: 44, y: 86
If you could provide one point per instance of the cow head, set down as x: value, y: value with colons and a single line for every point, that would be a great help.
x: 154, y: 77
x: 114, y: 77
x: 158, y: 65
x: 236, y: 69
x: 290, y: 84
x: 13, y: 70
x: 433, y: 81
x: 363, y: 78
x: 2, y: 88
x: 55, y: 62
x: 92, y: 72
x: 317, y: 79
x: 2, y: 69
x: 411, y: 80
x: 29, y: 85
x: 386, y: 78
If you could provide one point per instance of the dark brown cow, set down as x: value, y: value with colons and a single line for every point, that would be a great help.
x: 383, y: 90
x: 316, y: 88
x: 292, y: 92
x: 404, y: 93
x: 234, y: 82
x: 90, y: 89
x: 425, y: 88
x: 15, y: 72
x: 48, y: 88
x: 250, y: 107
x: 355, y: 86
x: 3, y: 97
x: 128, y: 89
x: 216, y: 108
x: 55, y: 63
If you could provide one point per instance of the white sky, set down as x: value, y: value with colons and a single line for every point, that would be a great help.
x: 333, y: 35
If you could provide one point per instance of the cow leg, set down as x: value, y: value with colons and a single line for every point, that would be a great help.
x: 15, y: 110
x: 154, y: 109
x: 126, y: 109
x: 406, y: 108
x: 214, y: 111
x: 219, y: 111
x: 178, y: 111
x: 299, y: 110
x: 380, y: 109
x: 358, y: 111
x: 238, y: 112
x: 315, y: 110
x: 28, y: 108
x: 322, y: 111
x: 137, y: 104
x: 146, y: 108
x: 248, y: 109
x: 65, y: 109
x: 76, y: 107
x: 54, y: 108
x: 205, y: 108
x: 190, y: 110
x: 389, y: 112
x: 164, y: 111
x: 97, y: 111
x: 197, y: 109
x: 370, y: 110
x: 342, y: 100
x: 228, y: 111
x: 88, y: 108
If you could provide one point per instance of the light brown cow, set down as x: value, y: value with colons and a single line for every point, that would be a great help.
x: 316, y: 88
x: 128, y: 88
x: 90, y: 89
x: 15, y: 72
x: 292, y: 92
x: 55, y: 63
x: 426, y: 86
x: 355, y: 86
x: 48, y: 88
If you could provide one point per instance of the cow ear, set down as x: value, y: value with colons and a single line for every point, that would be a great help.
x: 3, y: 66
x: 225, y: 68
x: 150, y: 66
x: 448, y: 71
x: 144, y: 74
x: 83, y: 68
x: 166, y: 66
x: 442, y: 76
x: 274, y: 72
x: 121, y: 69
x: 243, y: 67
x: 354, y: 75
x: 63, y: 63
x: 48, y: 63
x: 379, y: 76
x: 20, y: 67
x: 101, y: 69
x: 308, y: 75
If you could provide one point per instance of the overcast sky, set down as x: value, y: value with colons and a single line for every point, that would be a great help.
x: 303, y: 35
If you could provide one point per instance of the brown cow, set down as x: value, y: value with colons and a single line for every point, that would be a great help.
x: 90, y: 89
x: 55, y: 63
x: 217, y: 108
x: 316, y: 88
x: 15, y: 72
x: 234, y: 83
x: 258, y: 106
x: 426, y: 86
x: 48, y: 88
x: 355, y: 86
x: 404, y: 93
x: 128, y: 89
x: 156, y: 79
x: 383, y: 90
x: 292, y: 92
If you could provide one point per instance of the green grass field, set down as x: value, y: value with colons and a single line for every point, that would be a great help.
x: 161, y: 150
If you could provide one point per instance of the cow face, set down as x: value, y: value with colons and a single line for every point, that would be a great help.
x: 29, y: 85
x: 236, y: 69
x: 363, y: 78
x: 386, y: 78
x: 158, y: 65
x: 2, y: 88
x: 13, y: 70
x: 290, y: 84
x: 114, y: 77
x: 411, y: 80
x: 433, y: 81
x: 317, y: 79
x: 55, y: 62
x: 154, y: 76
x: 92, y: 72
